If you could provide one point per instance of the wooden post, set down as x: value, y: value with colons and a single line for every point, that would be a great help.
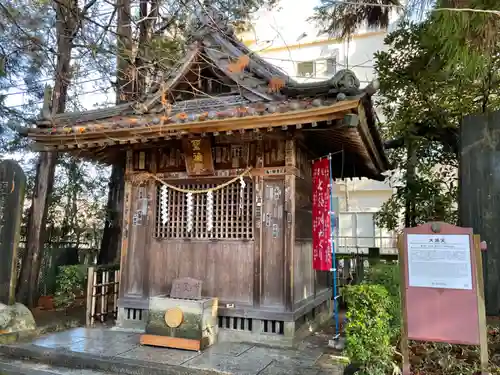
x: 483, y: 334
x: 373, y: 255
x: 115, y: 293
x: 289, y: 224
x: 104, y: 281
x: 405, y: 352
x: 94, y: 297
x: 258, y: 212
x: 90, y: 292
x: 360, y: 269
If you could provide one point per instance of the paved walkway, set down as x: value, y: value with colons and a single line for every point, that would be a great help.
x: 121, y: 348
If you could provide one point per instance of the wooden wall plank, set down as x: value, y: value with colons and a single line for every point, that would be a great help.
x: 306, y: 281
x: 225, y: 267
x: 272, y: 245
x: 304, y: 276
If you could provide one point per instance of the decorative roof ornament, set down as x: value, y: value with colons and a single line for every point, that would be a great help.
x: 344, y: 81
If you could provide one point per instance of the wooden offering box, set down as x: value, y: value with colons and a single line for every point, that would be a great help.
x: 181, y: 323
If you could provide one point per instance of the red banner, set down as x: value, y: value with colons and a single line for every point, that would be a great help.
x: 322, y: 248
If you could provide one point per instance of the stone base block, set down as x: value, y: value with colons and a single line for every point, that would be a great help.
x: 193, y: 325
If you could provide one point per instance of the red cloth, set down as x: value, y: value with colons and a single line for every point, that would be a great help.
x: 322, y: 247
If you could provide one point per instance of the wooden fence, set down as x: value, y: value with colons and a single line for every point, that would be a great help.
x: 102, y: 294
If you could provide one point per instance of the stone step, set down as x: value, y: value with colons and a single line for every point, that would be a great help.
x: 18, y: 367
x: 99, y: 364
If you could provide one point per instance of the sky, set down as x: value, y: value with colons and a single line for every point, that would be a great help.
x: 279, y: 25
x: 286, y: 25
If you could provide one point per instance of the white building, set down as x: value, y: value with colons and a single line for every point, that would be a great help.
x: 286, y: 38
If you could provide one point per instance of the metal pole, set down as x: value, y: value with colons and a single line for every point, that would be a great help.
x: 334, y: 262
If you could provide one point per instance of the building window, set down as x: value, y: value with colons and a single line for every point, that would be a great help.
x: 305, y: 69
x: 317, y: 68
x: 232, y: 216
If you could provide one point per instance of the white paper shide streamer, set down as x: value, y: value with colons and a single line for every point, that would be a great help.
x: 242, y: 191
x: 210, y: 211
x: 164, y: 204
x: 189, y: 198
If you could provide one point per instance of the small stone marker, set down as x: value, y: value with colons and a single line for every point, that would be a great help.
x: 12, y: 185
x: 187, y: 288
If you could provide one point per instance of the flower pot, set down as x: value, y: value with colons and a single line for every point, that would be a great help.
x: 46, y: 302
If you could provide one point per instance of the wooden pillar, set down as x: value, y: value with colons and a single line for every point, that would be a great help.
x: 138, y: 214
x: 289, y: 230
x: 258, y: 199
x: 127, y: 199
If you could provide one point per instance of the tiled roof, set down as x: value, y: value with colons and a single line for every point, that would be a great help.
x: 193, y: 112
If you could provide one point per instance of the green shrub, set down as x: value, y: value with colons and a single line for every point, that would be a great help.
x: 70, y: 283
x: 388, y: 275
x: 368, y: 331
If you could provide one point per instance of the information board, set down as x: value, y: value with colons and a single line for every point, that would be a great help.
x: 439, y: 261
x: 441, y: 288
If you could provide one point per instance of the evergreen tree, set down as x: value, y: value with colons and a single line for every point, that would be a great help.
x: 423, y: 102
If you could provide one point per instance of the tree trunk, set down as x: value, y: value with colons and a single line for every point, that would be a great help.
x: 111, y: 239
x: 410, y: 184
x: 67, y: 15
x: 30, y: 266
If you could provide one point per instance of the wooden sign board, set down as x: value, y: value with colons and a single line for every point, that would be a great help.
x: 441, y: 287
x: 198, y: 156
x: 141, y: 160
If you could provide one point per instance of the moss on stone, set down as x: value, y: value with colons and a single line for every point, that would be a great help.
x: 16, y: 318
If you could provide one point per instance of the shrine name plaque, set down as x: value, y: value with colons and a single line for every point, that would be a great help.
x: 198, y: 156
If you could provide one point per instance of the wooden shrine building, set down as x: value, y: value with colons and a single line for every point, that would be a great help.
x: 223, y: 115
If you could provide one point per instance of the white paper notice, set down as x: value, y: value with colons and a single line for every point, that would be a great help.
x: 439, y: 261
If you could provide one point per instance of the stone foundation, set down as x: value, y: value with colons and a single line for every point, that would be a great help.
x: 250, y: 330
x: 272, y: 332
x: 133, y: 319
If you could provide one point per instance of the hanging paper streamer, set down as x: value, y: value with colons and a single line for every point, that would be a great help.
x: 210, y: 210
x: 189, y: 200
x: 242, y: 191
x: 322, y: 249
x: 164, y: 204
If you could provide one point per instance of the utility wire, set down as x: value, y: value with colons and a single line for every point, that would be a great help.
x: 399, y: 6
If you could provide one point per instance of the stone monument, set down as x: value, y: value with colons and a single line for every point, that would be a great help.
x: 186, y: 288
x: 12, y: 184
x: 14, y: 317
